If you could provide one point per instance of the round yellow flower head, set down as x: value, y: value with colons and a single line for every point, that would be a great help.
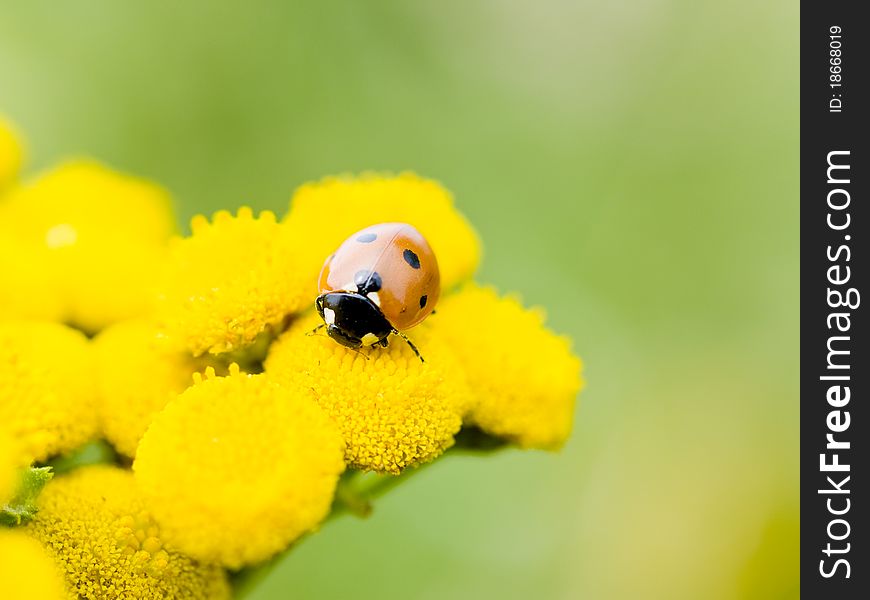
x: 524, y: 378
x: 103, y: 233
x: 26, y: 571
x: 323, y: 214
x: 11, y: 153
x: 97, y: 527
x: 28, y: 289
x: 393, y: 410
x: 11, y: 460
x: 47, y: 397
x: 233, y: 279
x: 138, y: 373
x: 238, y: 467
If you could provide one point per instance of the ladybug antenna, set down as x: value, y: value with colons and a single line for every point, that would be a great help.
x: 410, y: 343
x: 316, y: 329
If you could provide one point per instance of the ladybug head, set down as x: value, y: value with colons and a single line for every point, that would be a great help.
x: 352, y: 320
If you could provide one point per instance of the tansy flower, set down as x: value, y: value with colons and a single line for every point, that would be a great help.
x: 11, y: 153
x: 11, y: 460
x: 26, y: 571
x: 323, y: 214
x: 96, y: 526
x: 393, y: 410
x: 46, y: 389
x: 97, y: 236
x: 238, y: 467
x: 138, y: 372
x: 25, y: 288
x: 524, y: 378
x: 231, y: 280
x: 28, y: 289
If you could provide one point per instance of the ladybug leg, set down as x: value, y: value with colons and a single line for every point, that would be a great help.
x: 316, y: 329
x: 382, y: 343
x: 361, y: 353
x: 410, y: 343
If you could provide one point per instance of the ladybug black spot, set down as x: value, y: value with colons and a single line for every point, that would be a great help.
x: 367, y: 281
x: 411, y: 258
x: 423, y: 300
x: 367, y: 238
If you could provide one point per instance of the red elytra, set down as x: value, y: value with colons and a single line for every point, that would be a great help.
x: 392, y: 265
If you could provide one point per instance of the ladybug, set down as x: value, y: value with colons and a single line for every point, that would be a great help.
x: 382, y: 280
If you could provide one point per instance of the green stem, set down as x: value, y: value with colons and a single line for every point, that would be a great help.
x: 22, y: 506
x: 349, y: 499
x: 98, y: 452
x: 355, y: 494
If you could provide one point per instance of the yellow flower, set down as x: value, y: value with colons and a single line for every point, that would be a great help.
x: 524, y: 378
x: 323, y: 214
x: 11, y: 153
x: 28, y: 289
x: 46, y: 388
x: 393, y: 410
x: 232, y: 280
x: 96, y: 237
x: 137, y: 374
x: 238, y: 467
x: 26, y: 571
x: 97, y: 527
x: 11, y: 460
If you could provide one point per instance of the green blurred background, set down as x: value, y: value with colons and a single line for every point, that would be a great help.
x: 632, y: 166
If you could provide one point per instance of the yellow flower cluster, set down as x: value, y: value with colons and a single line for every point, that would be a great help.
x: 230, y: 281
x: 101, y: 533
x: 26, y: 571
x: 96, y: 239
x: 268, y: 458
x: 11, y: 459
x: 526, y: 397
x: 138, y: 372
x: 393, y: 410
x: 233, y: 467
x: 47, y: 398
